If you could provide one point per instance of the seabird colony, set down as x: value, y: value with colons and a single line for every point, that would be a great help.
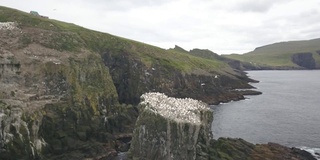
x: 7, y: 26
x: 178, y: 109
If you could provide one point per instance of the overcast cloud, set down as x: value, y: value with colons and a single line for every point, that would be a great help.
x: 228, y: 26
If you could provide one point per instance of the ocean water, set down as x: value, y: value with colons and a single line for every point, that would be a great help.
x: 288, y: 111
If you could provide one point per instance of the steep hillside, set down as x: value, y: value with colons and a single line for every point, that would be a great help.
x: 283, y: 55
x: 67, y: 92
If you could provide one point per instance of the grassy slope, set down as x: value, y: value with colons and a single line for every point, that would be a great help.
x: 75, y: 37
x: 279, y: 54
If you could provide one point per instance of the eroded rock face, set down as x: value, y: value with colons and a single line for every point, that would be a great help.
x: 170, y: 128
x: 18, y: 135
x: 305, y: 60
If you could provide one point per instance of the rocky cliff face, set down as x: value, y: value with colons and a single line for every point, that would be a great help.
x: 53, y: 102
x: 132, y: 78
x: 170, y: 128
x: 304, y: 60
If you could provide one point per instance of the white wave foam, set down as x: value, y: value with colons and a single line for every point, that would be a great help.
x: 314, y: 151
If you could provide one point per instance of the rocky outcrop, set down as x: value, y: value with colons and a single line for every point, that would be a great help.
x: 205, y: 53
x: 232, y: 149
x: 132, y: 78
x: 170, y: 128
x: 304, y: 60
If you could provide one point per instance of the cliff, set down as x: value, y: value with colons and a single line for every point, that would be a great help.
x: 170, y: 128
x: 55, y: 103
x: 70, y: 93
x: 173, y: 73
x: 305, y: 60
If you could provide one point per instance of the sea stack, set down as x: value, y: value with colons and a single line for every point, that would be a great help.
x: 171, y: 128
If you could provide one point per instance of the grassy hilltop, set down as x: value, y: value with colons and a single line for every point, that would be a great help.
x: 72, y: 38
x: 280, y: 55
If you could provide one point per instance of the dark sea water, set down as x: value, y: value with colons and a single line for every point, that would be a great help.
x: 288, y: 111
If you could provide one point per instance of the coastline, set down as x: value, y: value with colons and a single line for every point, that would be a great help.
x: 313, y: 148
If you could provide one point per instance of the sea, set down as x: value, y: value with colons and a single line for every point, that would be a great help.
x: 287, y: 112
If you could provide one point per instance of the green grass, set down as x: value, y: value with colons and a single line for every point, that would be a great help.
x: 70, y: 37
x: 279, y: 54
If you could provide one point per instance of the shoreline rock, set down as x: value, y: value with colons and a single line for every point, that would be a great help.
x: 235, y: 148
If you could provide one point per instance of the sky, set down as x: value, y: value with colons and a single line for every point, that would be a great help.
x: 222, y: 26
